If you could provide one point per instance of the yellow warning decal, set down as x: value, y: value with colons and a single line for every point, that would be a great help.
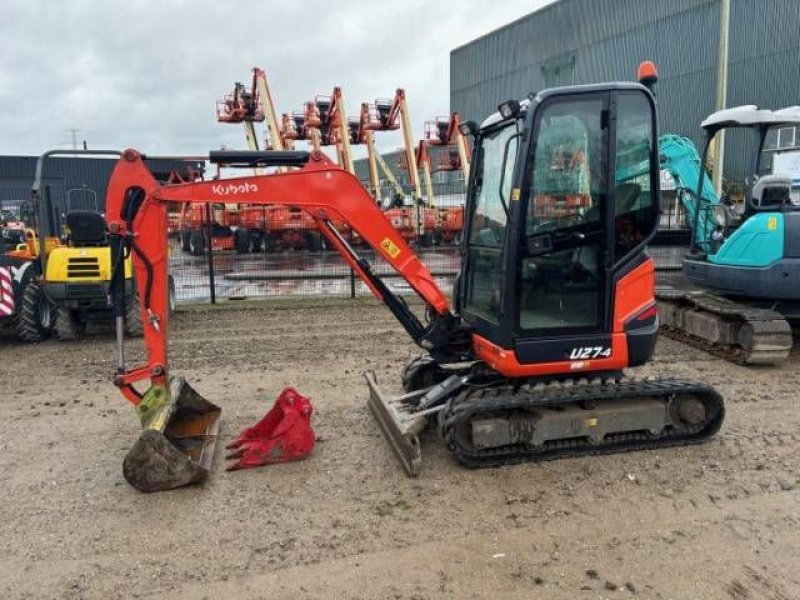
x: 592, y: 422
x: 515, y: 194
x: 772, y: 224
x: 390, y: 248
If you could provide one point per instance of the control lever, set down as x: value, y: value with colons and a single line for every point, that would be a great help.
x: 576, y: 256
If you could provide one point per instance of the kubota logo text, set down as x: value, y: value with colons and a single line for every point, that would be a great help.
x: 228, y: 189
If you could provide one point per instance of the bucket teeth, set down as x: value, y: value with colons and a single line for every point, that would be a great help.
x: 176, y: 447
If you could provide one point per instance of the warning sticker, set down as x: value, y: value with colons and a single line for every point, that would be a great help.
x: 515, y: 194
x: 772, y: 223
x: 390, y: 248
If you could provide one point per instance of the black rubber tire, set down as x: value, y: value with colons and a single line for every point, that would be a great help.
x: 68, y: 326
x: 426, y: 239
x: 241, y: 241
x: 133, y: 317
x: 36, y: 315
x: 185, y: 235
x: 197, y: 243
x: 172, y: 298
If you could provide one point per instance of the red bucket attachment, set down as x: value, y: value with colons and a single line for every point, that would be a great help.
x: 283, y: 434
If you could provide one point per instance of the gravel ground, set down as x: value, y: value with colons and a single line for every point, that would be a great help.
x: 719, y: 520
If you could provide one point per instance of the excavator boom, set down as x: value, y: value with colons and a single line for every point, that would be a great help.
x: 322, y: 189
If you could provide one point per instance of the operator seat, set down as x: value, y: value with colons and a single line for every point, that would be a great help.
x: 772, y: 192
x: 86, y: 228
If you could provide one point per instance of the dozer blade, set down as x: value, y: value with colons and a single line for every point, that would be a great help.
x: 399, y: 423
x: 176, y: 447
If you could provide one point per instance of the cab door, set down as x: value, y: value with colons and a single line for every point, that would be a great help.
x: 588, y: 205
x: 562, y: 271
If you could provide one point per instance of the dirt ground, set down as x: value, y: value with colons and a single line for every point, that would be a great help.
x: 720, y: 520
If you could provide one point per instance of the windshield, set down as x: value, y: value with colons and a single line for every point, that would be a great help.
x: 495, y: 170
x: 569, y: 167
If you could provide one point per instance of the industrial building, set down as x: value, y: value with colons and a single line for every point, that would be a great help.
x: 81, y: 182
x: 588, y: 41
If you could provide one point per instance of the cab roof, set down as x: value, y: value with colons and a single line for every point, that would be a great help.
x: 750, y: 115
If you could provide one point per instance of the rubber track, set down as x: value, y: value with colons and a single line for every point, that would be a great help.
x: 765, y: 323
x: 472, y: 403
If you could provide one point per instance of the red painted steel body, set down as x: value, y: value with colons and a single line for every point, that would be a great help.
x: 634, y: 293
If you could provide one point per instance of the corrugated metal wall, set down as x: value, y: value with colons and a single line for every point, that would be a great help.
x: 79, y: 178
x: 588, y: 41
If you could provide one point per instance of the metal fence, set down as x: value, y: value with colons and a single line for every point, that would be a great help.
x: 217, y: 268
x: 228, y: 275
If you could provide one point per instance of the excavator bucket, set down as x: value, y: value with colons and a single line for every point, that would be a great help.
x: 282, y: 435
x: 176, y: 447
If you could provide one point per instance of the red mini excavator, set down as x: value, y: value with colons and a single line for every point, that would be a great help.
x: 554, y: 298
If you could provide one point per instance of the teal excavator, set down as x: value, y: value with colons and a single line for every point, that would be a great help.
x: 744, y: 263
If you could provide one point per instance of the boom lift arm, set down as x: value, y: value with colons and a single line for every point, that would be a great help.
x: 338, y: 129
x: 241, y: 106
x: 389, y: 115
x: 264, y: 98
x: 387, y: 172
x: 446, y: 131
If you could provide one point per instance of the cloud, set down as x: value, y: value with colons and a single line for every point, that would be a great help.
x: 146, y: 73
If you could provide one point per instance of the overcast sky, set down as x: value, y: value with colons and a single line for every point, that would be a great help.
x: 146, y: 73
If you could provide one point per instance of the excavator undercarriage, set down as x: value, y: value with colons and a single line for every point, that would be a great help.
x: 488, y: 425
x: 740, y: 333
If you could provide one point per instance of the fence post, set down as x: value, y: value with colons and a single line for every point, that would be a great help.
x: 352, y: 283
x: 210, y: 250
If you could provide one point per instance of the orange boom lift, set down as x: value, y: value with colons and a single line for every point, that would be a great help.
x: 444, y: 134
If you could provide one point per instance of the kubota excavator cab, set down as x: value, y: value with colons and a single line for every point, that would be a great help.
x: 554, y: 244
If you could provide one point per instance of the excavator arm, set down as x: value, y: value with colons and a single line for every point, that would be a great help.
x: 678, y: 156
x: 137, y: 220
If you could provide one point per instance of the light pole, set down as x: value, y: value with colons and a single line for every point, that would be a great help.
x: 722, y: 90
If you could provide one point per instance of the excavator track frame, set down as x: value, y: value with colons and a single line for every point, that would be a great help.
x: 589, y: 396
x: 402, y: 419
x: 732, y: 330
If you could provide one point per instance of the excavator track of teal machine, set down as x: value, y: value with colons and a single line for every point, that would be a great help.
x: 737, y: 332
